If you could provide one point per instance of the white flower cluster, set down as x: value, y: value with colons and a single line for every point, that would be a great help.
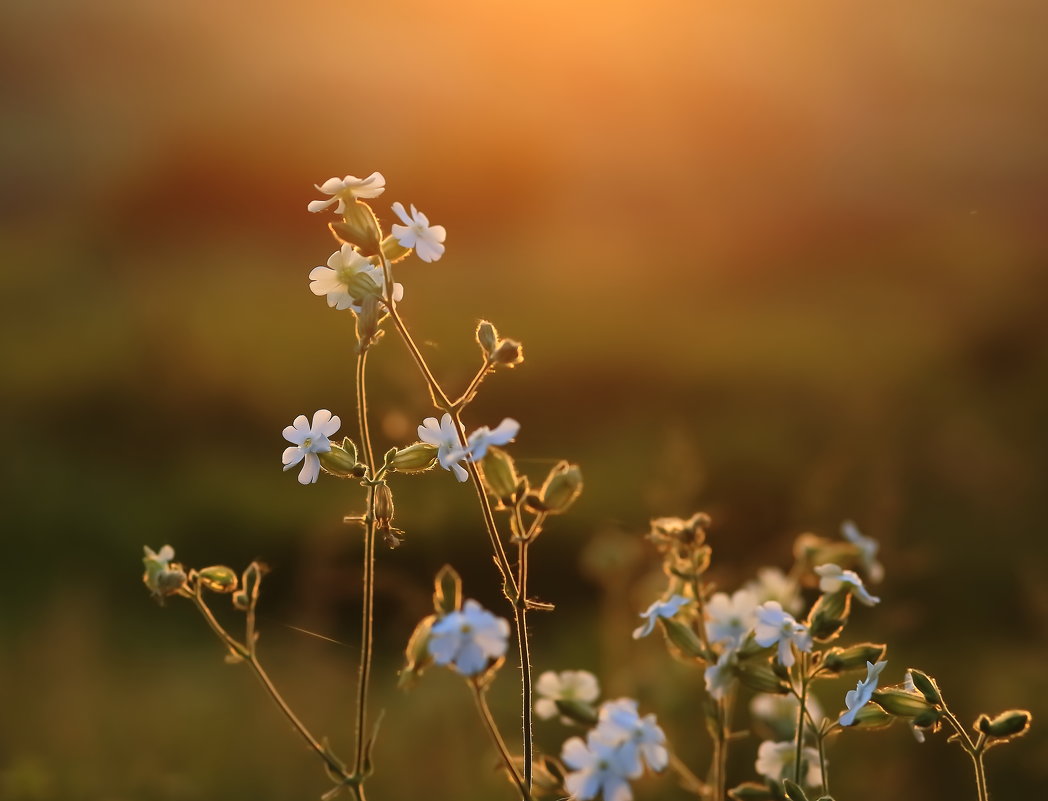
x: 450, y: 452
x: 616, y: 750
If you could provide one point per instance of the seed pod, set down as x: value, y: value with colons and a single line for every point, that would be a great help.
x: 926, y: 684
x: 341, y: 460
x: 562, y: 487
x: 500, y: 474
x: 901, y: 703
x: 383, y: 506
x: 761, y: 678
x: 856, y: 656
x: 218, y: 578
x: 487, y: 338
x: 415, y: 458
x: 1012, y: 723
x: 509, y: 353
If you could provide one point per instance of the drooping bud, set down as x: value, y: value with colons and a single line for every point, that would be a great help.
x: 901, y: 703
x: 751, y: 791
x: 383, y: 506
x: 563, y: 486
x: 341, y: 460
x: 415, y: 458
x: 856, y: 656
x: 500, y: 474
x: 447, y: 591
x: 368, y: 319
x: 241, y: 601
x: 793, y: 791
x: 487, y: 337
x: 218, y: 578
x: 926, y: 685
x: 1013, y: 723
x: 509, y: 353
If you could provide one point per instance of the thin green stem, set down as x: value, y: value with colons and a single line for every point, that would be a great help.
x: 973, y: 749
x: 803, y: 667
x: 520, y: 618
x: 479, y: 695
x: 820, y: 738
x: 462, y: 400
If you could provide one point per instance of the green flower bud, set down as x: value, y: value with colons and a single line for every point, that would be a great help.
x: 760, y: 677
x: 901, y: 703
x: 415, y: 458
x: 562, y: 487
x: 383, y: 505
x: 927, y: 720
x: 447, y: 591
x: 393, y: 250
x: 793, y: 791
x: 856, y: 656
x: 871, y: 716
x: 341, y: 460
x: 1013, y: 723
x: 684, y: 638
x: 416, y: 655
x: 487, y: 338
x: 509, y: 352
x: 829, y: 615
x: 578, y: 711
x: 500, y: 474
x: 358, y: 227
x: 218, y: 578
x: 361, y: 285
x: 927, y: 686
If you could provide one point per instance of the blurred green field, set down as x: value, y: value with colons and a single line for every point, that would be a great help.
x: 782, y: 264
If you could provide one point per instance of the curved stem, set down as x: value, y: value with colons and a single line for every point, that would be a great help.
x: 479, y: 695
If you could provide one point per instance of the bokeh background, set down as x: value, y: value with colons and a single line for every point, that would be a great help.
x: 781, y: 262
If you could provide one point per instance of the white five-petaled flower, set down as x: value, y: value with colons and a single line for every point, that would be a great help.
x: 417, y: 233
x: 779, y: 712
x: 641, y: 739
x: 449, y: 450
x: 484, y: 437
x: 856, y: 699
x: 834, y: 578
x: 719, y: 676
x: 568, y: 685
x: 597, y: 767
x: 309, y: 440
x: 778, y: 760
x: 347, y: 190
x: 342, y: 267
x: 656, y: 610
x: 868, y: 547
x: 729, y: 619
x: 468, y: 638
x: 772, y: 584
x: 775, y: 625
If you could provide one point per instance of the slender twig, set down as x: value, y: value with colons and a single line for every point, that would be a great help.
x: 803, y: 670
x: 467, y: 395
x: 480, y: 696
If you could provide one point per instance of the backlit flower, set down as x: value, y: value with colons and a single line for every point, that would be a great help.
x: 910, y: 687
x: 468, y: 638
x: 729, y: 619
x: 417, y: 233
x: 779, y: 712
x: 568, y: 685
x: 719, y: 676
x: 642, y: 740
x: 344, y: 268
x: 347, y: 190
x: 776, y: 626
x: 449, y: 450
x: 659, y: 609
x: 778, y: 760
x: 772, y: 584
x: 834, y: 579
x: 309, y: 440
x: 868, y: 547
x: 597, y: 768
x: 858, y: 698
x: 483, y: 437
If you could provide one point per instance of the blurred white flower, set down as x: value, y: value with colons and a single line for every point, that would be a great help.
x: 910, y: 687
x: 729, y: 619
x: 468, y: 639
x: 834, y: 579
x: 568, y: 685
x: 720, y: 676
x: 346, y: 190
x: 449, y: 450
x: 772, y: 584
x: 858, y: 698
x: 162, y: 557
x: 779, y: 712
x: 596, y: 768
x: 336, y: 278
x: 618, y: 723
x: 659, y: 609
x: 417, y: 233
x: 868, y: 547
x: 309, y: 440
x: 775, y: 625
x: 484, y: 437
x: 777, y: 760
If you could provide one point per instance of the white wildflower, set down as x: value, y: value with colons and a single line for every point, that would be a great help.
x: 778, y: 760
x: 308, y: 441
x: 868, y: 547
x: 449, y: 449
x: 484, y: 437
x: 596, y: 768
x: 719, y: 676
x: 776, y: 626
x: 335, y: 280
x: 779, y: 712
x: 772, y: 584
x: 568, y: 685
x: 834, y: 579
x: 468, y: 638
x: 642, y: 741
x: 417, y: 233
x: 659, y: 609
x: 347, y: 190
x: 729, y: 619
x: 858, y: 698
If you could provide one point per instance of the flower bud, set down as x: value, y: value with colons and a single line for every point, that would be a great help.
x: 416, y: 655
x: 383, y: 505
x: 684, y: 638
x: 509, y: 352
x: 341, y: 460
x: 447, y: 591
x: 901, y: 703
x: 358, y: 227
x: 415, y: 458
x: 367, y: 322
x: 793, y: 791
x: 926, y: 720
x: 500, y: 474
x: 927, y: 686
x: 562, y: 487
x: 578, y: 711
x: 760, y: 677
x: 487, y: 338
x: 361, y: 285
x: 241, y: 601
x: 218, y: 578
x: 393, y: 250
x: 872, y: 716
x: 829, y: 615
x: 1012, y: 723
x: 856, y: 656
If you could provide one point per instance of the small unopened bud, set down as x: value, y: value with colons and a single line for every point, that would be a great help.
x: 341, y: 460
x: 684, y: 638
x: 901, y: 703
x: 926, y: 720
x: 829, y: 615
x: 1012, y: 723
x: 500, y: 474
x: 417, y: 656
x: 855, y: 656
x: 509, y: 352
x: 383, y: 505
x: 926, y: 685
x: 361, y: 285
x: 393, y: 250
x: 760, y: 677
x: 415, y: 458
x: 872, y: 716
x: 487, y: 338
x: 218, y: 578
x: 367, y: 322
x: 358, y: 227
x: 562, y: 487
x: 751, y: 791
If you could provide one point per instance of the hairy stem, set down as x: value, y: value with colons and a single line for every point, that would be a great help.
x: 480, y: 696
x: 800, y: 715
